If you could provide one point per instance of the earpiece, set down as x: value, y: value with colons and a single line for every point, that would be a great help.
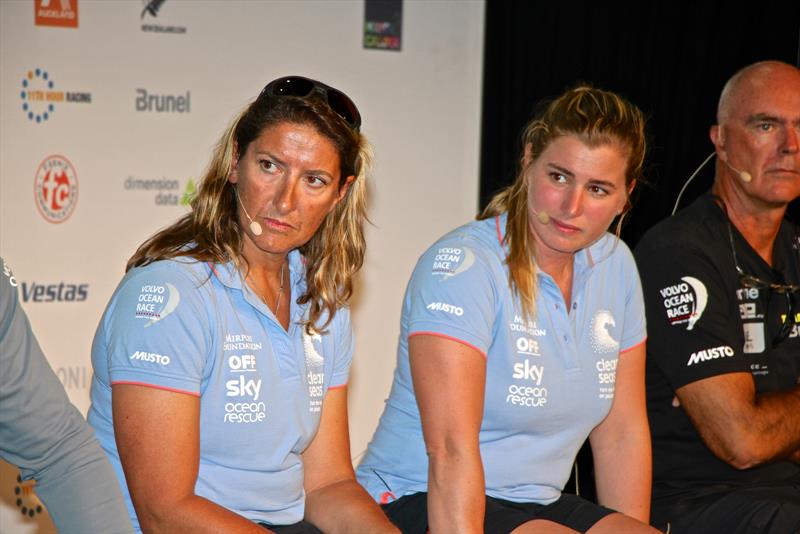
x: 255, y: 226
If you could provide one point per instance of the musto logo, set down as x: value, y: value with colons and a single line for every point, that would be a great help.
x: 713, y: 353
x: 55, y: 189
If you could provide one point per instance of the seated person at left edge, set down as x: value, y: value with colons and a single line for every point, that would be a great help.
x: 221, y: 362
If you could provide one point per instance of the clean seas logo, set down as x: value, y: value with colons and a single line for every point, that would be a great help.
x: 315, y: 373
x: 40, y: 96
x: 165, y: 192
x: 55, y: 189
x: 150, y: 11
x: 61, y: 13
x: 601, y: 339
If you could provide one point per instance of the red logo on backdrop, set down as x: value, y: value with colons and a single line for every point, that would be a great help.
x: 63, y: 13
x: 56, y: 189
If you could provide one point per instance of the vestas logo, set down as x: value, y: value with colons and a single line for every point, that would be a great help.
x: 60, y: 292
x: 710, y: 354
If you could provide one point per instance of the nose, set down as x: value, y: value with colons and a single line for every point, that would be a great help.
x: 791, y: 143
x: 572, y: 204
x: 285, y: 195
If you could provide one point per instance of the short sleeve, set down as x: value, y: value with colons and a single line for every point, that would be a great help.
x: 693, y: 331
x: 343, y: 357
x: 452, y: 293
x: 635, y: 330
x: 158, y: 332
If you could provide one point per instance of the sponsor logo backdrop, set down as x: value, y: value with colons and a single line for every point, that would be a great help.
x: 109, y: 112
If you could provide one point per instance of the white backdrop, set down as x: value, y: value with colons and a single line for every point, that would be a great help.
x: 421, y: 110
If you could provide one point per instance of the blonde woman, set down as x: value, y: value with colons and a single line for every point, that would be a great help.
x: 522, y: 334
x: 221, y: 362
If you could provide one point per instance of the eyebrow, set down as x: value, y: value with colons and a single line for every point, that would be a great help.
x: 594, y: 181
x: 763, y: 117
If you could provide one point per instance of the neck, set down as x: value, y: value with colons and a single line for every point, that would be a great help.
x: 757, y: 221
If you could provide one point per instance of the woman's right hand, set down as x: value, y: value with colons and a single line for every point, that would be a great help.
x: 158, y: 439
x: 449, y: 381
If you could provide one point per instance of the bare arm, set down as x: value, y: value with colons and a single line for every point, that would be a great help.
x: 335, y: 502
x: 158, y: 438
x: 625, y: 434
x: 741, y: 427
x: 449, y: 382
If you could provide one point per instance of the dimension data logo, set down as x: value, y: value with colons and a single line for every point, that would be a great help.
x: 151, y: 9
x: 55, y: 189
x: 40, y: 96
x: 164, y: 192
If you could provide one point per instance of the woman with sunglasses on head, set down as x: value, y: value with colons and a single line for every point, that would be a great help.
x: 522, y: 334
x: 221, y: 362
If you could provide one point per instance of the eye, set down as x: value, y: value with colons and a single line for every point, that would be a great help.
x: 765, y: 126
x: 267, y: 166
x: 315, y: 181
x: 598, y: 191
x: 557, y: 177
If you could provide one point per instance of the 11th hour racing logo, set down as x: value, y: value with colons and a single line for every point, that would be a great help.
x: 55, y: 189
x: 40, y: 95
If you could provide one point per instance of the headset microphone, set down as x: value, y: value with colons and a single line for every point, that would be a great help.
x: 542, y: 216
x: 745, y: 176
x: 255, y: 227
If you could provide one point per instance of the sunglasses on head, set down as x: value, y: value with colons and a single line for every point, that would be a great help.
x: 302, y: 87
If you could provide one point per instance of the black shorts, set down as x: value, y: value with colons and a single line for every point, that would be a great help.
x: 410, y: 513
x: 766, y: 508
x: 303, y: 527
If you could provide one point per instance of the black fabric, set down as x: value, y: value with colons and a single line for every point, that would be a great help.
x: 410, y: 513
x: 303, y: 527
x: 751, y: 509
x: 679, y: 260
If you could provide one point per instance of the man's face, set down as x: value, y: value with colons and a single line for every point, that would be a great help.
x: 761, y: 135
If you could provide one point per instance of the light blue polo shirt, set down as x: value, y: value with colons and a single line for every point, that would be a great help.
x: 184, y: 326
x: 549, y: 382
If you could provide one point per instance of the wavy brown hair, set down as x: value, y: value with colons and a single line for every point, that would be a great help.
x: 594, y: 116
x: 211, y: 232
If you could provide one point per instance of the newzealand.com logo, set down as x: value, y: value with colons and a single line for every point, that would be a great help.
x: 40, y: 96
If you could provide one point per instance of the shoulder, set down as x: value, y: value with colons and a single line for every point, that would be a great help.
x: 695, y: 228
x: 459, y: 249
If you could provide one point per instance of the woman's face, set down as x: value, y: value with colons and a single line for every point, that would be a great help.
x: 288, y: 180
x: 580, y: 189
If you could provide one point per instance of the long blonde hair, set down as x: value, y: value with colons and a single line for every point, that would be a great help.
x: 211, y: 232
x: 594, y: 116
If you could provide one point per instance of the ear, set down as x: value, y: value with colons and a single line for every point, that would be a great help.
x: 233, y: 172
x: 343, y: 189
x: 631, y: 187
x: 717, y: 138
x: 527, y: 155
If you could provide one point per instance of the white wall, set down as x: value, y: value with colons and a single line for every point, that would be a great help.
x: 421, y: 110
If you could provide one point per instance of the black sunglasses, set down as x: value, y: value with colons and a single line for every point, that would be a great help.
x: 302, y: 87
x: 754, y: 282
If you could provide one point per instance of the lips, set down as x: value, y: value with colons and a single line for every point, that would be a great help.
x: 564, y: 227
x: 275, y: 224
